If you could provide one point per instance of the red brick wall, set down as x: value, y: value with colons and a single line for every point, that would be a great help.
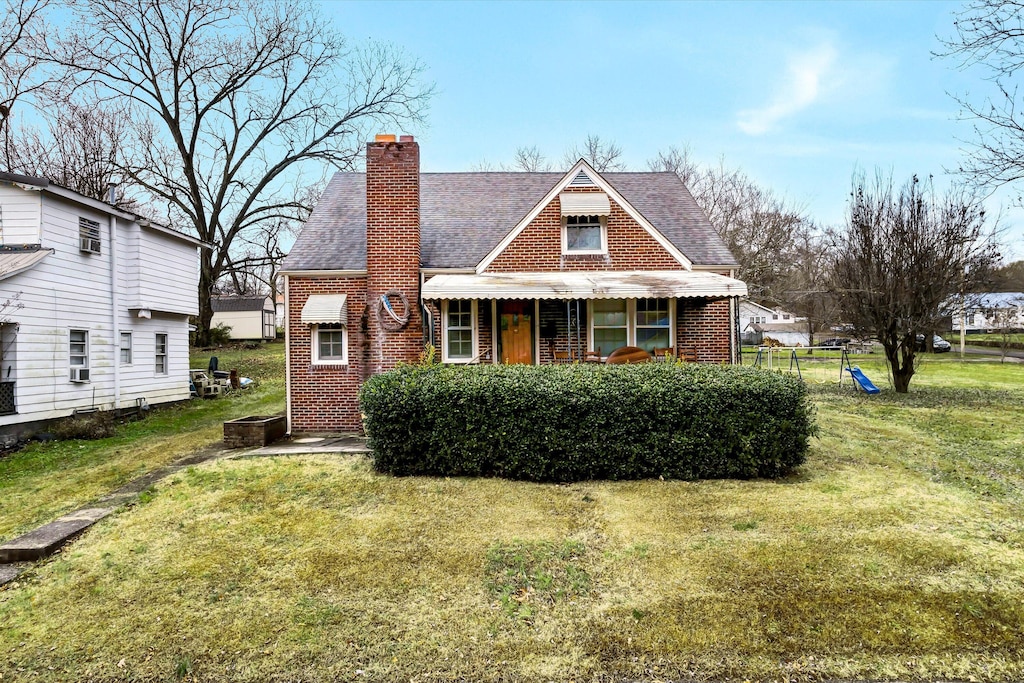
x: 704, y: 325
x: 325, y: 398
x: 393, y: 246
x: 538, y: 247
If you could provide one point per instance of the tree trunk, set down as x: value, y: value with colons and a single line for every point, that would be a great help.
x: 206, y: 281
x: 901, y: 361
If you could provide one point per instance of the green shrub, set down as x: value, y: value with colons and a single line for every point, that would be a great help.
x: 579, y: 422
x: 220, y: 335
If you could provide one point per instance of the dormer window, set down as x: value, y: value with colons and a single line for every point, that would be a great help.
x: 584, y: 235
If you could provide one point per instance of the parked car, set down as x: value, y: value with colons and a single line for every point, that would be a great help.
x: 835, y: 341
x: 939, y: 345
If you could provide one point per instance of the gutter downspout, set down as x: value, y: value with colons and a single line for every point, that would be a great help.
x: 115, y: 300
x: 287, y: 363
x: 428, y: 316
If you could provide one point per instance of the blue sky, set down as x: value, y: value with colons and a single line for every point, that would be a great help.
x: 798, y: 95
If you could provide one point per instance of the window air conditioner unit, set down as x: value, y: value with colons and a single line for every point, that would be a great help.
x: 90, y: 245
x: 79, y: 374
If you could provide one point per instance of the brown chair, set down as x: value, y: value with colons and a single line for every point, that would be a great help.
x: 562, y: 357
x: 664, y: 354
x: 688, y: 353
x: 592, y: 356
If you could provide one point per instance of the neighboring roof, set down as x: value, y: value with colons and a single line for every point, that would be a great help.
x: 600, y: 284
x: 225, y: 304
x: 998, y: 300
x: 464, y: 215
x: 17, y: 261
x: 749, y: 302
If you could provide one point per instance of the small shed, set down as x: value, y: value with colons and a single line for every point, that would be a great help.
x: 249, y: 317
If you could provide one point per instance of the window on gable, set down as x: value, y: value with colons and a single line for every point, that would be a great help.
x: 330, y: 344
x: 126, y: 348
x: 459, y: 331
x: 584, y: 235
x: 89, y: 236
x: 160, y: 366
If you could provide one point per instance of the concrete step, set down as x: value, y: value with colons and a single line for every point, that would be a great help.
x: 45, y: 540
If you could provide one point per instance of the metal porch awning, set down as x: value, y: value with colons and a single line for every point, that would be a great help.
x: 606, y: 284
x: 325, y: 308
x: 14, y: 262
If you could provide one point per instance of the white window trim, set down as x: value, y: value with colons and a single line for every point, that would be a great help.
x: 444, y: 334
x: 631, y: 324
x: 130, y: 349
x: 166, y: 354
x: 603, y: 220
x: 86, y: 365
x: 315, y: 350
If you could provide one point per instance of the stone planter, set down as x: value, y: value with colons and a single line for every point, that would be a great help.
x: 255, y: 430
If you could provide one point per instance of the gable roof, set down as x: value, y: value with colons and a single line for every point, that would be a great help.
x: 225, y: 304
x: 463, y: 216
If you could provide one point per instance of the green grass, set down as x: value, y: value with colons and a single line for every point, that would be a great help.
x: 990, y: 337
x: 45, y: 480
x: 895, y: 553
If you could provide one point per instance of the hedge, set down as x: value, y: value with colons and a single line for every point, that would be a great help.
x: 580, y: 422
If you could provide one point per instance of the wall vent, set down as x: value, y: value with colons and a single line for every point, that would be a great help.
x: 581, y: 180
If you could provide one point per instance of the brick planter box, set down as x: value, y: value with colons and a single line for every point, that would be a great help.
x: 255, y: 430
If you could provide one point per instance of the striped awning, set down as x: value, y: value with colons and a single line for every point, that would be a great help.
x: 325, y: 308
x: 607, y: 284
x: 585, y: 204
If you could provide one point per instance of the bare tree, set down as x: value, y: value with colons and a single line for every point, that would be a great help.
x: 22, y: 34
x: 759, y: 228
x: 80, y: 149
x: 232, y: 103
x: 990, y: 35
x: 804, y: 290
x: 903, y: 253
x: 603, y: 156
x: 530, y: 159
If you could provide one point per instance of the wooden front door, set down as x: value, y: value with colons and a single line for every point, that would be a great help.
x: 516, y: 334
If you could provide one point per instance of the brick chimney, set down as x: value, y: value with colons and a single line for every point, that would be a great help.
x: 393, y: 249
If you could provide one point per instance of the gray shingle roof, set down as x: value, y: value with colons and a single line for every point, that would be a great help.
x: 464, y: 215
x: 224, y: 304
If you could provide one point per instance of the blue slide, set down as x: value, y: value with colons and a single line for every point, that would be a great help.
x: 862, y: 381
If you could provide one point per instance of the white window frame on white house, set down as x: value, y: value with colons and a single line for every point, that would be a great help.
x: 331, y: 328
x: 631, y: 324
x: 89, y: 240
x: 126, y: 348
x: 161, y: 357
x: 78, y: 352
x: 446, y: 357
x: 601, y: 223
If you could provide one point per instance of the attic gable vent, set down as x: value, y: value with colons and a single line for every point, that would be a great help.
x: 581, y: 180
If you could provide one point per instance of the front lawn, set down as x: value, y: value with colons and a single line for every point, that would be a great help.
x: 45, y: 480
x: 896, y: 552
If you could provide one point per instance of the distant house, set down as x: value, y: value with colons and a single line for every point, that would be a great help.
x: 249, y: 317
x: 501, y: 267
x: 990, y: 312
x: 788, y: 334
x: 94, y: 306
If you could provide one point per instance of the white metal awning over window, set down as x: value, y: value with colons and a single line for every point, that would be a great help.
x: 585, y: 204
x: 325, y: 308
x: 606, y: 284
x: 14, y: 262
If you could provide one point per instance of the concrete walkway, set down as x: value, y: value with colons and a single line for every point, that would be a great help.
x: 17, y: 554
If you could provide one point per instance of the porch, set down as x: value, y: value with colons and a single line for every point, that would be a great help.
x: 583, y: 317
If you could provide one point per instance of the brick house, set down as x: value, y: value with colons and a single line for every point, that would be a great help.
x: 495, y: 268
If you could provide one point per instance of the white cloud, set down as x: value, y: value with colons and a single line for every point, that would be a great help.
x: 800, y: 88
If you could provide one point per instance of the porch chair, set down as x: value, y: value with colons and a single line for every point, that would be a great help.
x: 592, y: 356
x: 664, y: 354
x: 688, y: 353
x: 562, y: 356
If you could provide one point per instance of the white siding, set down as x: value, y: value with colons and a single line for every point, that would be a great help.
x: 72, y: 290
x: 19, y: 215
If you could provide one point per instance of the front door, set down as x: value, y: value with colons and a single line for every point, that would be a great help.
x: 516, y: 334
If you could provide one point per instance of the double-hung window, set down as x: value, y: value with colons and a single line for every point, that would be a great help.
x: 329, y: 344
x: 459, y: 316
x: 584, y: 235
x: 78, y: 355
x: 160, y: 366
x: 126, y: 348
x: 646, y: 323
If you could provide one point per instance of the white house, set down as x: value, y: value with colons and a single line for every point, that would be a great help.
x: 991, y: 312
x: 94, y: 306
x: 249, y: 317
